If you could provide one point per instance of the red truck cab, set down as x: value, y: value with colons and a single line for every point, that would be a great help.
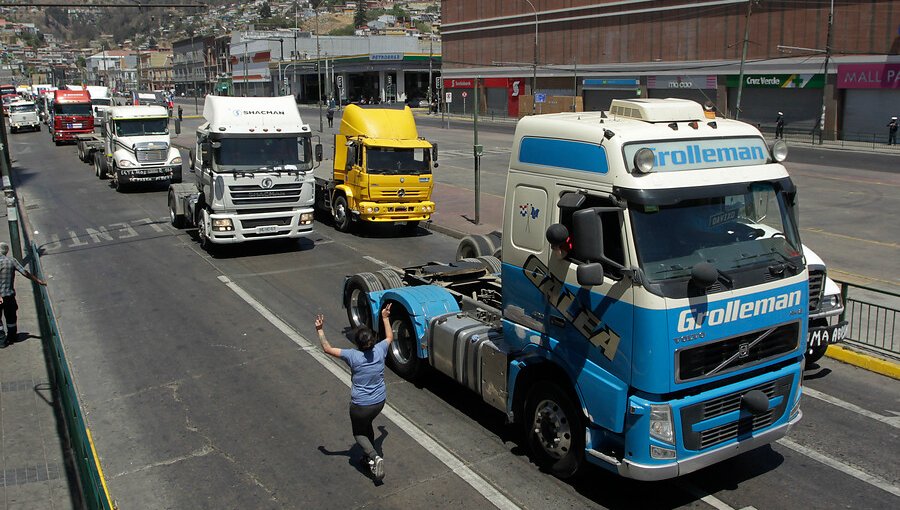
x: 70, y: 115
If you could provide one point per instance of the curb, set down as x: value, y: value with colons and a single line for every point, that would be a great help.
x: 452, y: 232
x: 879, y: 366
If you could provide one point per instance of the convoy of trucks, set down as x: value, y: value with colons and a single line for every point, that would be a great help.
x: 647, y: 307
x: 254, y: 161
x: 650, y: 311
x: 382, y: 170
x: 133, y: 147
x: 70, y: 115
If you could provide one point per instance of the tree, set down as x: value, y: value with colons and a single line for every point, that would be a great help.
x: 359, y: 17
x: 265, y: 11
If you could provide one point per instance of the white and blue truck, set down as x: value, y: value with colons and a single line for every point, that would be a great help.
x: 650, y: 311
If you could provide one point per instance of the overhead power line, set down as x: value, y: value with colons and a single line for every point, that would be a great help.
x: 103, y: 3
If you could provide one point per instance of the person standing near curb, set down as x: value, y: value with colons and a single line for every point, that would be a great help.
x: 892, y: 131
x: 779, y: 126
x: 8, y: 268
x: 368, y: 391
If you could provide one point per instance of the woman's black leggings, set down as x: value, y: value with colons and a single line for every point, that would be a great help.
x: 361, y: 418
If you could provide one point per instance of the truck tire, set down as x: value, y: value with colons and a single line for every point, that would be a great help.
x: 475, y: 245
x: 178, y: 220
x: 98, y: 168
x: 815, y: 353
x: 356, y: 299
x: 340, y: 211
x: 116, y: 183
x: 402, y: 353
x: 554, y: 430
x: 203, y: 235
x: 389, y: 279
x: 492, y: 264
x: 81, y: 152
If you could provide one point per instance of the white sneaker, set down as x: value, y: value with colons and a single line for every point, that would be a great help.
x: 377, y: 467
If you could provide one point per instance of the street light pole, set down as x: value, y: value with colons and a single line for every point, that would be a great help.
x: 825, y: 77
x: 318, y: 70
x: 737, y: 106
x: 534, y: 64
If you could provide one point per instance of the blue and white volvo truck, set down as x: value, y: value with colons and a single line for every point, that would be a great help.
x: 650, y: 312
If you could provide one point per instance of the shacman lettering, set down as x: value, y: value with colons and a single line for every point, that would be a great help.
x: 262, y: 112
x: 692, y: 319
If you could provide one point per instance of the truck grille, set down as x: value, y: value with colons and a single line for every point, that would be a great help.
x: 262, y: 222
x: 408, y: 194
x: 816, y: 288
x: 743, y: 425
x: 700, y: 361
x: 253, y: 195
x: 151, y: 155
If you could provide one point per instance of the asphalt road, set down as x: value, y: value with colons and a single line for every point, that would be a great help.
x: 202, y: 395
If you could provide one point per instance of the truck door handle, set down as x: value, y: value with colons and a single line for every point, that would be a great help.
x: 557, y: 321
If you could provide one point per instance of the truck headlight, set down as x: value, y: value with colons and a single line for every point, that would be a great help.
x: 306, y: 218
x: 175, y: 161
x: 222, y: 225
x: 125, y: 163
x: 661, y: 427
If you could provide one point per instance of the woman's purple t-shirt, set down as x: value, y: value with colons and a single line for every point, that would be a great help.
x: 367, y: 369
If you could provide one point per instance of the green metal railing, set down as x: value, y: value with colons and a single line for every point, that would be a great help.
x: 873, y: 318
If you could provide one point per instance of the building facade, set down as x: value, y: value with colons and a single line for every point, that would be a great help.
x: 600, y: 50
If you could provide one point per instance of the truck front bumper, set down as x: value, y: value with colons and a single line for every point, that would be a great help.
x: 21, y: 125
x: 395, y: 211
x: 146, y: 174
x: 69, y: 134
x: 260, y: 226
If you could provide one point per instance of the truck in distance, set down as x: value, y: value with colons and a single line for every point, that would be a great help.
x: 650, y: 312
x: 254, y: 162
x: 133, y: 147
x: 100, y: 100
x: 70, y: 115
x: 23, y: 115
x: 382, y: 170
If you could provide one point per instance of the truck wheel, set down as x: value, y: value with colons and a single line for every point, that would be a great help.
x: 815, y: 353
x: 341, y: 212
x: 98, y: 168
x: 402, y: 354
x: 81, y: 153
x: 203, y: 234
x: 475, y: 245
x: 356, y: 298
x: 389, y: 279
x: 554, y: 430
x: 176, y: 219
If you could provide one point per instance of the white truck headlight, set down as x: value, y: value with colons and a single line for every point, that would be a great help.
x: 222, y: 225
x: 125, y: 163
x: 661, y: 426
x: 175, y: 161
x: 306, y: 218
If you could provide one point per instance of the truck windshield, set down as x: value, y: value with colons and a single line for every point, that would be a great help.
x: 72, y: 109
x: 21, y: 108
x: 734, y: 233
x: 393, y: 161
x: 139, y: 127
x: 264, y: 152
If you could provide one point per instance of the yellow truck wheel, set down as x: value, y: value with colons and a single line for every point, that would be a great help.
x: 341, y: 213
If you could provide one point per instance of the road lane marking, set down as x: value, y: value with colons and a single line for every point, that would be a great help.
x: 851, y: 238
x: 383, y: 264
x: 390, y: 412
x: 704, y: 496
x: 872, y: 480
x: 893, y: 421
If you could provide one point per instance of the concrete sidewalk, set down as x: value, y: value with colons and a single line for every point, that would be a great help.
x: 35, y: 472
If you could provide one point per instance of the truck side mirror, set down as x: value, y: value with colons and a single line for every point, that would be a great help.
x: 205, y: 155
x: 318, y: 152
x: 588, y: 235
x: 557, y: 234
x: 589, y: 274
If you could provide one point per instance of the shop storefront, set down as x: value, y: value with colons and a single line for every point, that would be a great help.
x: 599, y: 92
x: 871, y: 96
x: 499, y: 96
x: 699, y: 88
x: 798, y: 96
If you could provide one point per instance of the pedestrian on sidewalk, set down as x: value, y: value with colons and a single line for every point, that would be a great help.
x: 330, y: 115
x: 8, y: 268
x: 368, y: 391
x: 779, y: 126
x: 892, y: 131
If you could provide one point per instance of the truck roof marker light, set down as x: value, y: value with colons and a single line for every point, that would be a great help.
x: 644, y: 159
x: 278, y: 129
x: 222, y: 128
x: 694, y: 124
x: 265, y: 130
x: 608, y: 134
x: 713, y: 125
x: 779, y: 151
x: 674, y: 126
x: 251, y: 130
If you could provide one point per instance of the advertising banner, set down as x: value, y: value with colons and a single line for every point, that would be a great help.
x: 682, y: 82
x: 868, y: 76
x: 778, y: 81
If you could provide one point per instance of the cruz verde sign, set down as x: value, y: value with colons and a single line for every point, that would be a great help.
x: 778, y: 81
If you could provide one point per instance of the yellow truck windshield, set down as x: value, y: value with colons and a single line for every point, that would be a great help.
x: 396, y: 161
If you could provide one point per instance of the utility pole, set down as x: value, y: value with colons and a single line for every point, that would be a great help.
x: 737, y: 106
x: 535, y: 61
x: 825, y: 77
x: 477, y: 151
x: 318, y: 69
x: 246, y: 53
x: 430, y: 57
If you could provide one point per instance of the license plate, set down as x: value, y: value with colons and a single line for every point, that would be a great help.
x: 268, y: 229
x: 828, y: 334
x: 400, y: 209
x: 76, y: 125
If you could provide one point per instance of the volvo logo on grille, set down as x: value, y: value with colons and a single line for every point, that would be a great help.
x: 266, y: 183
x: 743, y: 350
x: 401, y: 193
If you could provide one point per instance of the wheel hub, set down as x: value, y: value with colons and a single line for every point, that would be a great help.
x: 551, y: 428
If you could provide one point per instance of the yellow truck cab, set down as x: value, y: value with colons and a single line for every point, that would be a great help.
x: 382, y: 170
